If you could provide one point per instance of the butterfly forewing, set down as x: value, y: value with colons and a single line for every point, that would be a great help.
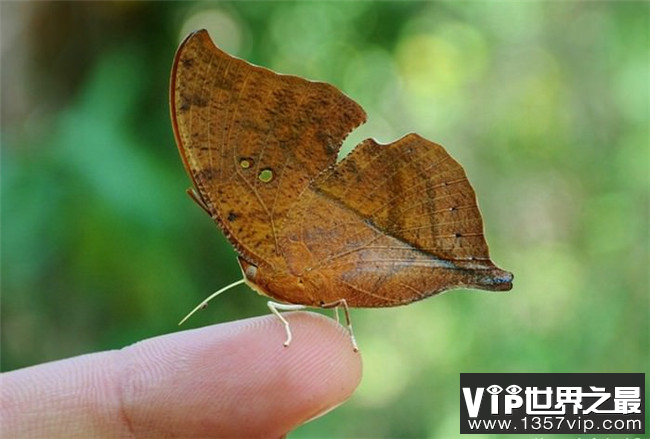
x: 252, y: 140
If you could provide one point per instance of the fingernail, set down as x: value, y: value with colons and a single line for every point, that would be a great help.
x: 324, y: 412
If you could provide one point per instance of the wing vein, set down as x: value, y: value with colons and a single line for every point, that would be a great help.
x: 391, y: 201
x: 377, y: 296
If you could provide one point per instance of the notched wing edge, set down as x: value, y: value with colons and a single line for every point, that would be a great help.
x: 495, y: 278
x: 358, y: 116
x: 204, y: 35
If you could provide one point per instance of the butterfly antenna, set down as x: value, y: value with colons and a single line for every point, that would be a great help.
x: 212, y: 296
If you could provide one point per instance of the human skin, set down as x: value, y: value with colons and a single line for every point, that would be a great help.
x: 229, y: 380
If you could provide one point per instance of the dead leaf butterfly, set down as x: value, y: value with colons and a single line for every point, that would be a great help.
x: 386, y: 226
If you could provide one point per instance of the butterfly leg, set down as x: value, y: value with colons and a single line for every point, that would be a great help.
x: 343, y: 303
x: 275, y: 309
x: 194, y: 195
x: 336, y: 314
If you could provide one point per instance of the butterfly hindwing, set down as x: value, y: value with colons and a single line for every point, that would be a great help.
x: 401, y: 222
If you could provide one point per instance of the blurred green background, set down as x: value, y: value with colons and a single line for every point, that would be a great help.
x: 545, y: 104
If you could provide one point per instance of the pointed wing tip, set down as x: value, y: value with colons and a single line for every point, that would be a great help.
x: 196, y: 35
x: 203, y: 33
x: 496, y: 280
x: 199, y: 33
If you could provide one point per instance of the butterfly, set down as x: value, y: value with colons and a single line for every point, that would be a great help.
x: 388, y: 225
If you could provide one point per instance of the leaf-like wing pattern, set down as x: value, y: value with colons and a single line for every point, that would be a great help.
x: 388, y: 225
x: 400, y: 222
x: 414, y: 190
x: 252, y: 140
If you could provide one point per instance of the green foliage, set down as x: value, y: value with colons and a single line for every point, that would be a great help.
x: 546, y: 105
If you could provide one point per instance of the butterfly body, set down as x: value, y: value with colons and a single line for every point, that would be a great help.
x: 388, y: 225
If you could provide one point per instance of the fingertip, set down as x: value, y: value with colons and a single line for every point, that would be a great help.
x: 325, y: 366
x: 237, y: 379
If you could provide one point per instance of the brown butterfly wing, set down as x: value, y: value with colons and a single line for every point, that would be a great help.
x: 414, y: 190
x: 252, y: 140
x: 391, y: 224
